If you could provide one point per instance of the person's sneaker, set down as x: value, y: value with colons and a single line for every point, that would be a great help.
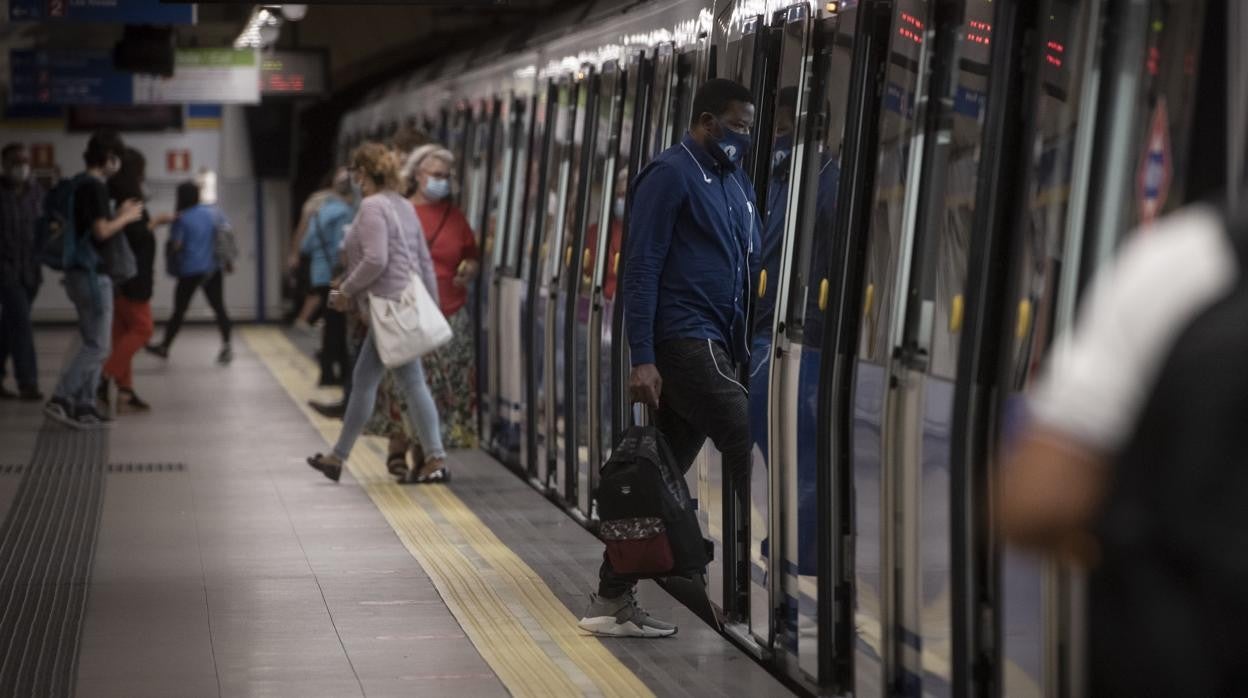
x: 157, y: 350
x: 59, y: 410
x: 334, y: 410
x: 131, y: 401
x: 90, y: 418
x: 622, y: 617
x: 226, y: 355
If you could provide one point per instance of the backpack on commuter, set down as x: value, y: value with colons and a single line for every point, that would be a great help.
x: 649, y: 523
x: 59, y: 248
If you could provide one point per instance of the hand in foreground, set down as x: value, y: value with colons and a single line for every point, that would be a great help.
x: 645, y: 385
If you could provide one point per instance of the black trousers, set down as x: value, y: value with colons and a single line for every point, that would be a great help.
x: 701, y: 399
x: 212, y: 284
x: 334, y: 364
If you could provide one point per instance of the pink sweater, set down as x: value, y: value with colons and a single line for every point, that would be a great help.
x: 377, y: 260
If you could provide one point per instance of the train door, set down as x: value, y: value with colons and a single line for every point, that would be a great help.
x: 550, y: 253
x: 476, y: 186
x: 886, y: 271
x: 510, y: 285
x: 600, y: 241
x: 490, y: 141
x: 822, y: 133
x: 564, y: 286
x: 617, y: 406
x: 546, y: 102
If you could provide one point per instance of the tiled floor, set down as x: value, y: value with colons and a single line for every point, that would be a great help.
x: 246, y: 574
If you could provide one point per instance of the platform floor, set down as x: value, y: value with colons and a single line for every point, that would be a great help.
x: 190, y: 552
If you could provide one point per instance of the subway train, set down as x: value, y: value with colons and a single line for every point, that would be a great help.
x: 937, y: 181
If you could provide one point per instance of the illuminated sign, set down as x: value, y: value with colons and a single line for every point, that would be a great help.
x: 911, y: 28
x: 1054, y: 53
x: 980, y: 32
x: 293, y: 73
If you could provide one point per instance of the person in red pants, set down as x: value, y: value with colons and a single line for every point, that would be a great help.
x: 132, y: 305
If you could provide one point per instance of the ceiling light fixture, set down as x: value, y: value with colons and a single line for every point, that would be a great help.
x: 262, y: 29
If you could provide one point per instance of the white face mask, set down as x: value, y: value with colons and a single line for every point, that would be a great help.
x: 18, y: 173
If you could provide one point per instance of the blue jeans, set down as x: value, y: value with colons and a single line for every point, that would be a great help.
x: 16, y: 337
x: 422, y: 413
x: 81, y: 377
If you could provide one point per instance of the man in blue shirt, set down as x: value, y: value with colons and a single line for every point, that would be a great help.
x: 692, y: 252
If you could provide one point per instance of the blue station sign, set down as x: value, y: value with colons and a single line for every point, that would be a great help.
x: 102, y: 11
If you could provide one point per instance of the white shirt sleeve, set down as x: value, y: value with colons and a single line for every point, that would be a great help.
x: 1100, y: 374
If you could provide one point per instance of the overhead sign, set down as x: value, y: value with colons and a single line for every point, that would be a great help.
x: 1156, y: 166
x: 70, y: 77
x: 293, y: 73
x: 102, y: 11
x: 205, y: 75
x: 67, y: 77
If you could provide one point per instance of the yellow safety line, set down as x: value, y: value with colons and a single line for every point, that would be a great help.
x: 514, y: 654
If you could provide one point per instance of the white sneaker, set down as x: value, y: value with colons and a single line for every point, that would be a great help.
x: 622, y: 617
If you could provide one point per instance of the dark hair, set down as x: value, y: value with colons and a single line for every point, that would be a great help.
x: 128, y: 182
x: 715, y: 96
x: 10, y: 149
x: 103, y: 145
x: 188, y: 195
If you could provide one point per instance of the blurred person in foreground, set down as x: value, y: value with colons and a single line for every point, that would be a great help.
x: 452, y: 368
x: 1132, y: 461
x: 384, y: 249
x: 298, y: 262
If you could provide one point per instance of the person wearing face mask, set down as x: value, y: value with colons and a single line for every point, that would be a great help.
x: 20, y: 201
x: 691, y: 254
x: 320, y: 244
x: 452, y: 368
x: 89, y: 281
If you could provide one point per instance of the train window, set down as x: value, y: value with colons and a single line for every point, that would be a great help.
x: 825, y: 128
x: 601, y: 188
x: 660, y: 99
x: 900, y: 130
x: 517, y: 172
x: 946, y: 235
x: 457, y: 141
x: 579, y: 175
x: 538, y: 165
x: 500, y: 155
x: 737, y: 62
x: 681, y: 104
x: 557, y: 162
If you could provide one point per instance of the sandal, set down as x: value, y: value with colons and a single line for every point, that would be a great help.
x: 396, y: 463
x: 439, y: 474
x: 333, y: 471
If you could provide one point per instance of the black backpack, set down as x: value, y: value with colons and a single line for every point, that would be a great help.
x: 649, y: 523
x: 1168, y: 600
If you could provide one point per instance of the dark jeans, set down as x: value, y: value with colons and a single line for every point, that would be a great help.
x: 701, y: 399
x: 334, y: 364
x: 187, y: 285
x: 17, y: 339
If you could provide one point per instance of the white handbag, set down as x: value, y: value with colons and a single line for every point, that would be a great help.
x: 410, y: 326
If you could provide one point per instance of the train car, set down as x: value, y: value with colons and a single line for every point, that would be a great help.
x: 940, y: 177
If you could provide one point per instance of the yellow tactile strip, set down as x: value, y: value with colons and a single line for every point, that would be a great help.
x: 526, y: 635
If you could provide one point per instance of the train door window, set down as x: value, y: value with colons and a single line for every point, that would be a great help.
x: 557, y: 180
x: 600, y: 188
x: 517, y: 173
x: 538, y: 166
x: 457, y: 141
x: 500, y: 158
x: 681, y: 104
x: 660, y: 100
x: 737, y: 62
x: 578, y: 172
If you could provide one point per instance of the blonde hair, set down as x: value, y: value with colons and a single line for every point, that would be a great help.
x: 378, y: 163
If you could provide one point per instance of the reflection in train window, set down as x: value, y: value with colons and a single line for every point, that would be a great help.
x: 556, y: 181
x: 660, y: 96
x: 518, y: 143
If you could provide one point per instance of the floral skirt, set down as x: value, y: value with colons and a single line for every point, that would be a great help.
x: 452, y: 375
